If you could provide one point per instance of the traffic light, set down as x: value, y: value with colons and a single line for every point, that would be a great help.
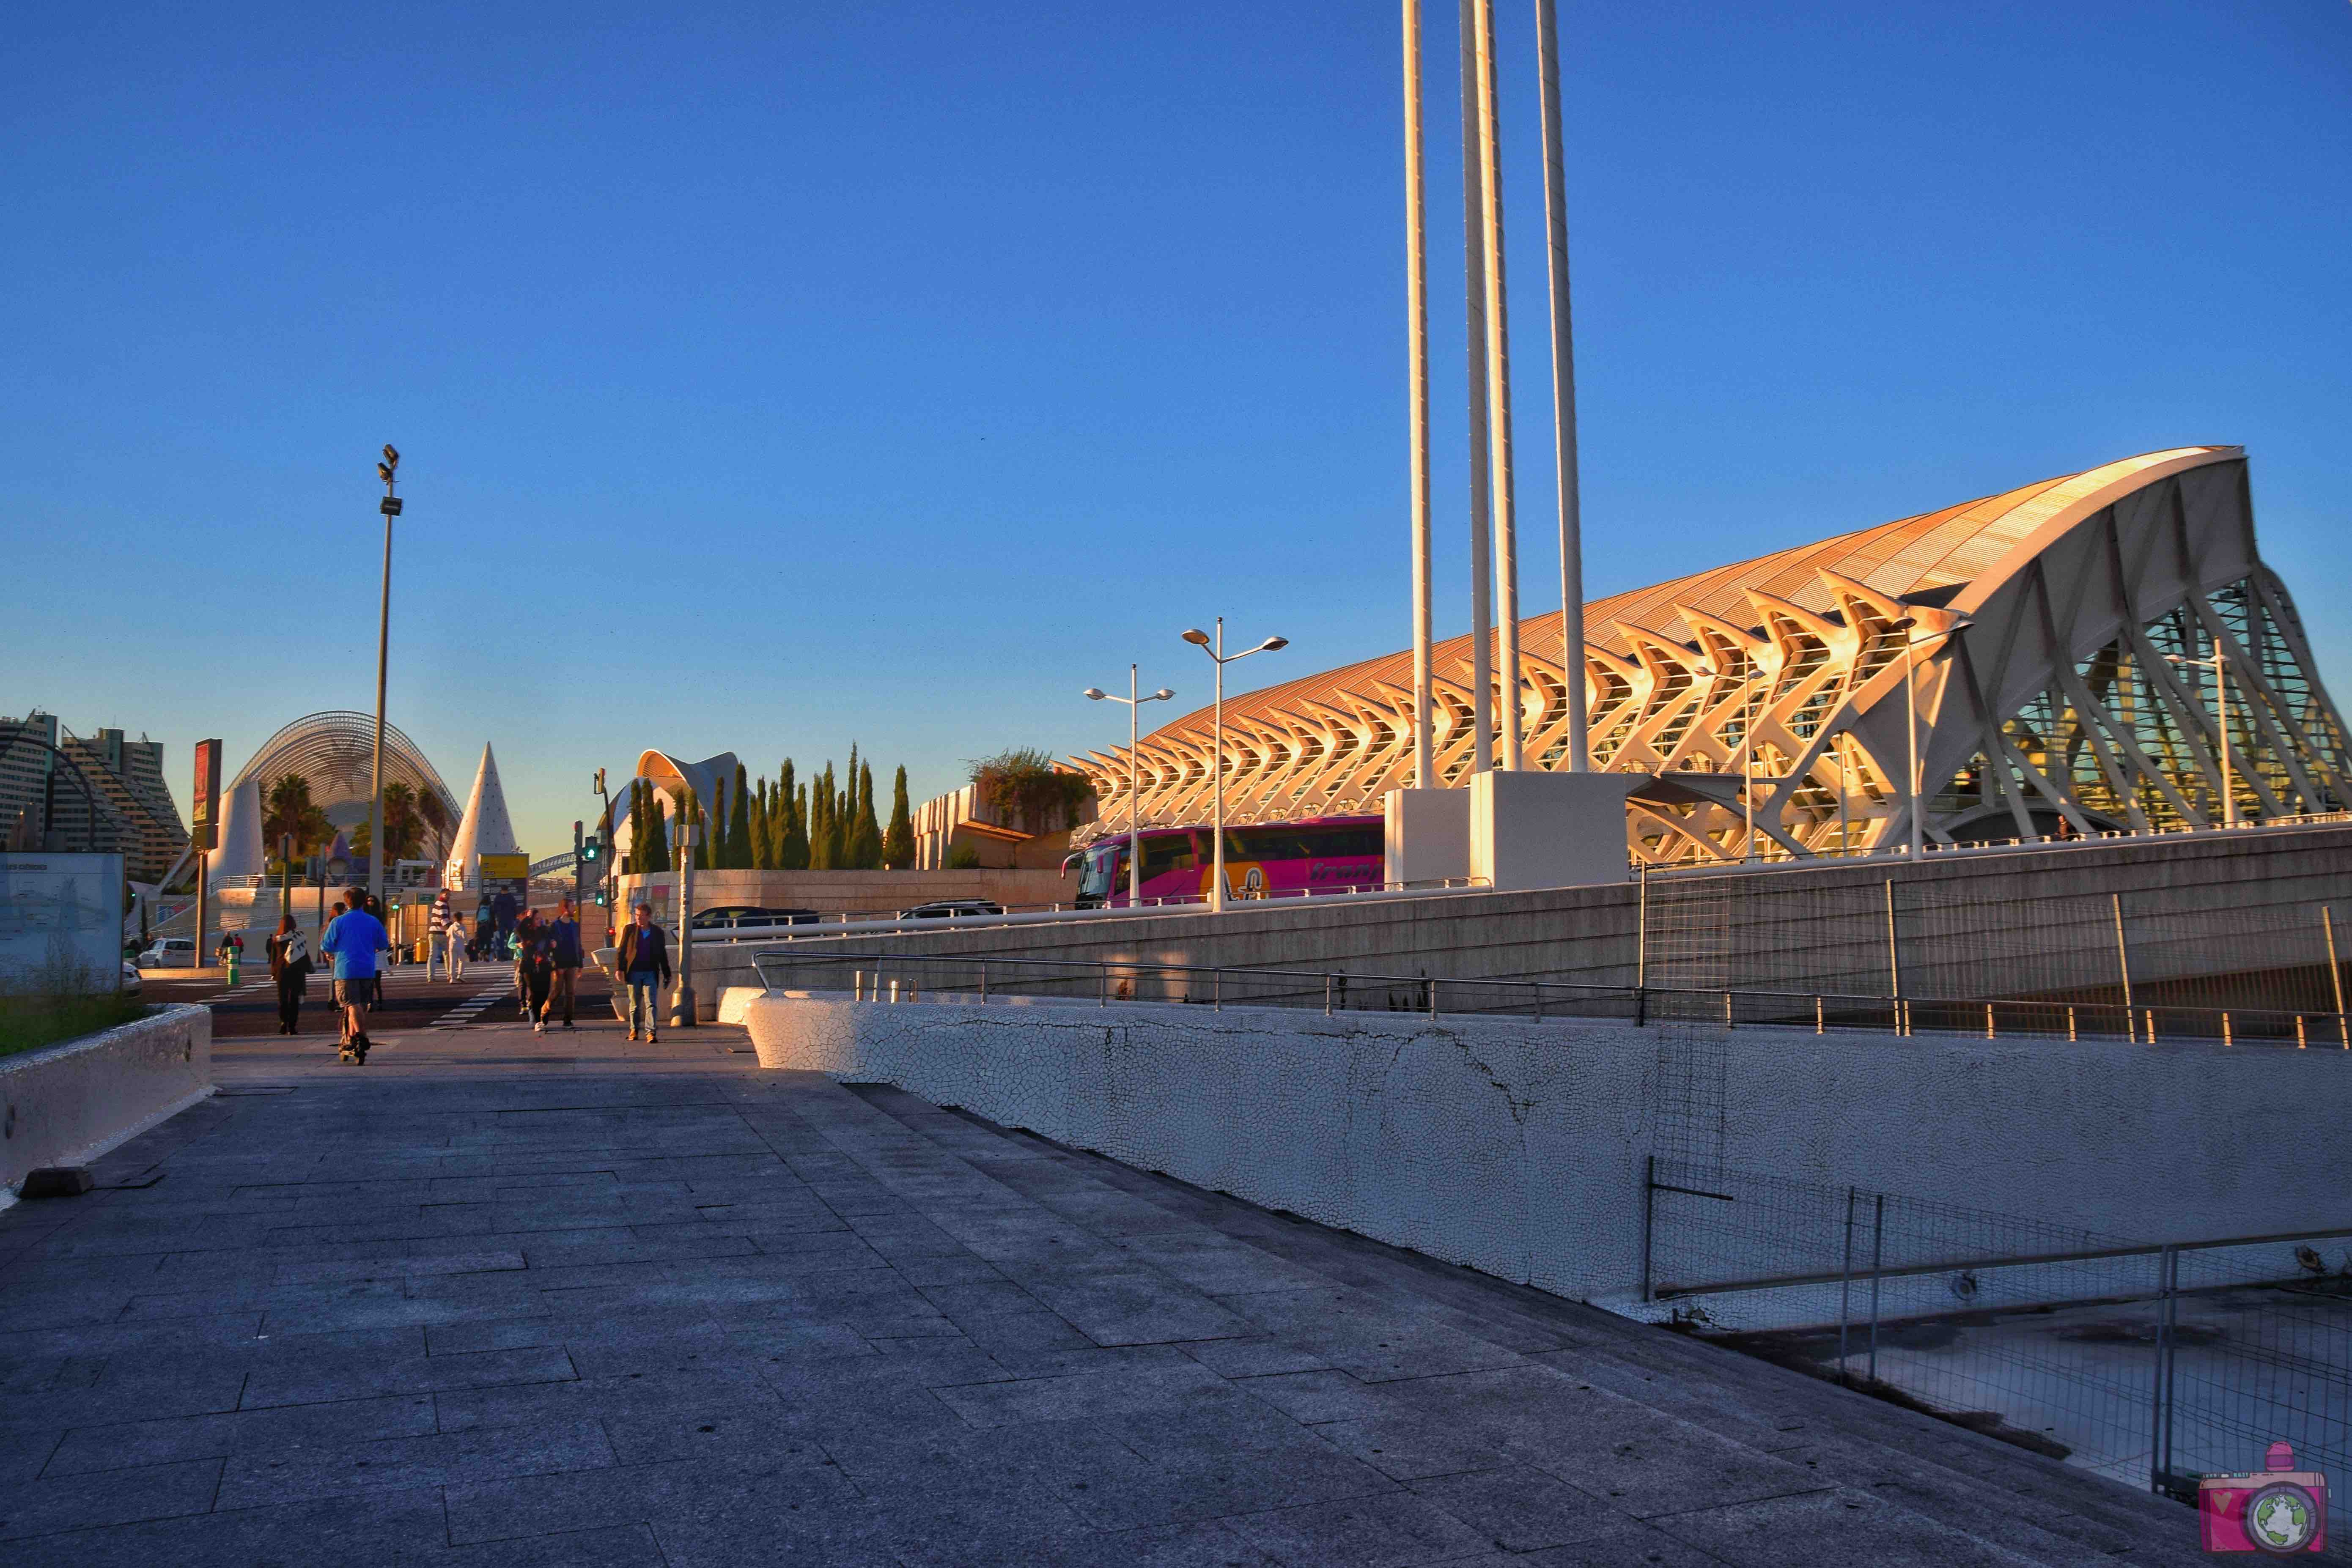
x: 592, y: 850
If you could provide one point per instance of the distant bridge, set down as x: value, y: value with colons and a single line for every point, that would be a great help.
x: 553, y: 865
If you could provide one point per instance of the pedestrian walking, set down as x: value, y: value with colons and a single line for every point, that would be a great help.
x: 458, y: 936
x: 526, y: 935
x: 563, y: 934
x: 537, y: 962
x: 437, y: 932
x: 644, y: 964
x: 352, y: 940
x: 290, y: 966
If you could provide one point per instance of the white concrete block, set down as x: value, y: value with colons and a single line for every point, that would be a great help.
x: 1547, y: 829
x: 1427, y: 833
x: 71, y: 1103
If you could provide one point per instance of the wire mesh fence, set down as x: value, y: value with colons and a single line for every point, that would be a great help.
x: 1948, y: 954
x: 900, y: 977
x: 2152, y: 1363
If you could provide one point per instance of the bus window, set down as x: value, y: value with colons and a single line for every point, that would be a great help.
x: 1168, y: 852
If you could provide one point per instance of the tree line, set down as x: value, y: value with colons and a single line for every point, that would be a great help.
x: 779, y: 824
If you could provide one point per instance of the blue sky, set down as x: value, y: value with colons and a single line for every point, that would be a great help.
x: 769, y: 382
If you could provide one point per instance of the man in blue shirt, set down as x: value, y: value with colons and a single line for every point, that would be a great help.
x: 352, y: 939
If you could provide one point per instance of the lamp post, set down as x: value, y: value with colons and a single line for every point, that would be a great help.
x: 387, y: 471
x: 1911, y: 640
x: 1134, y: 845
x: 1216, y: 649
x: 689, y: 831
x: 2220, y: 728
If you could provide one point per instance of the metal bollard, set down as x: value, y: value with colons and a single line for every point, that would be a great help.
x: 1326, y: 996
x: 1988, y: 1020
x: 983, y: 983
x: 2070, y: 1023
x: 2299, y: 1044
x: 1818, y: 1028
x: 2225, y: 1029
x: 894, y: 991
x: 857, y: 985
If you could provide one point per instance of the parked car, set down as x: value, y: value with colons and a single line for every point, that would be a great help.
x: 132, y: 984
x: 952, y: 908
x: 170, y: 953
x: 741, y: 917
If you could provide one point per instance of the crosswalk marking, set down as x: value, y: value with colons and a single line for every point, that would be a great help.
x: 470, y: 1009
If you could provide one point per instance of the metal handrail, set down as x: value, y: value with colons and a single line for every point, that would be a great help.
x: 1643, y: 1004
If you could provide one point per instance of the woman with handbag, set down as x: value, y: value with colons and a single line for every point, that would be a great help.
x: 290, y: 966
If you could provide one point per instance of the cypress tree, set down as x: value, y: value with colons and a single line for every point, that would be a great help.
x: 739, y: 825
x: 866, y: 834
x: 690, y: 812
x: 656, y: 840
x: 899, y: 843
x: 820, y: 823
x: 713, y: 848
x: 792, y: 852
x: 637, y: 828
x: 762, y: 859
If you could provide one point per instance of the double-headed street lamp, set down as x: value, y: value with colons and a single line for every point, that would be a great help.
x: 1216, y: 649
x: 2220, y: 726
x: 1134, y: 845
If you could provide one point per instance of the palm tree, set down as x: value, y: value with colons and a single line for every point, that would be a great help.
x: 292, y: 814
x: 434, y: 813
x: 403, y: 825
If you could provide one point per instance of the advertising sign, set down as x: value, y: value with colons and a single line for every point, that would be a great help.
x: 206, y: 808
x: 505, y: 868
x: 61, y: 920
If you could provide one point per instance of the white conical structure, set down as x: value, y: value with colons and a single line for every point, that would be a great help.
x: 240, y: 852
x: 484, y: 829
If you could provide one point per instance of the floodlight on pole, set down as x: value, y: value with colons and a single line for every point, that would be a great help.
x: 387, y: 471
x: 1216, y: 651
x: 1134, y: 792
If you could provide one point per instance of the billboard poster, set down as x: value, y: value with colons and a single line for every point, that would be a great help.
x: 204, y: 808
x: 61, y: 920
x: 503, y: 885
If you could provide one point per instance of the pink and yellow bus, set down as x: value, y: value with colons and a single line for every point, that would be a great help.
x: 1275, y: 860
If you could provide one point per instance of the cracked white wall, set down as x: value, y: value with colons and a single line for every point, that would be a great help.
x: 1516, y: 1147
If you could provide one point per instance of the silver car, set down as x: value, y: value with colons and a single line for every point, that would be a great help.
x: 170, y: 953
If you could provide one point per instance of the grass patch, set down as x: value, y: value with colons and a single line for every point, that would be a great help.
x: 29, y: 1022
x: 58, y: 1001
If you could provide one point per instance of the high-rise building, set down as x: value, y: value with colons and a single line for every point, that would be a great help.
x: 103, y: 792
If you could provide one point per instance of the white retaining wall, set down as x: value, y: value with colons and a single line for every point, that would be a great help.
x: 1516, y: 1147
x: 69, y: 1103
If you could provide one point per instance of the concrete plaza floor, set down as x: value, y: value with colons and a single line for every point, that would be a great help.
x: 505, y: 1299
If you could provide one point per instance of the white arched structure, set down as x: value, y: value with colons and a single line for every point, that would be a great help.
x: 2063, y: 634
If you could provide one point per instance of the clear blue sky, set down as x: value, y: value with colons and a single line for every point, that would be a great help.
x: 767, y: 380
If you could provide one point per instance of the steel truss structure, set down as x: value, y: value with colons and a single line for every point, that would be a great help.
x: 336, y: 752
x: 2048, y: 652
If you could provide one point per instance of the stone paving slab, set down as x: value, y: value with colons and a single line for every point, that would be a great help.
x: 563, y: 1299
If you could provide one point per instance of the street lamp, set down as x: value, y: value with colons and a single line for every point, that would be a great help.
x: 1216, y: 649
x: 1911, y: 640
x: 1134, y: 845
x: 387, y: 471
x: 2220, y: 727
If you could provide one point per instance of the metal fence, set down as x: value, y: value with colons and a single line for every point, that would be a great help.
x: 2151, y: 1363
x: 969, y: 979
x: 2150, y: 964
